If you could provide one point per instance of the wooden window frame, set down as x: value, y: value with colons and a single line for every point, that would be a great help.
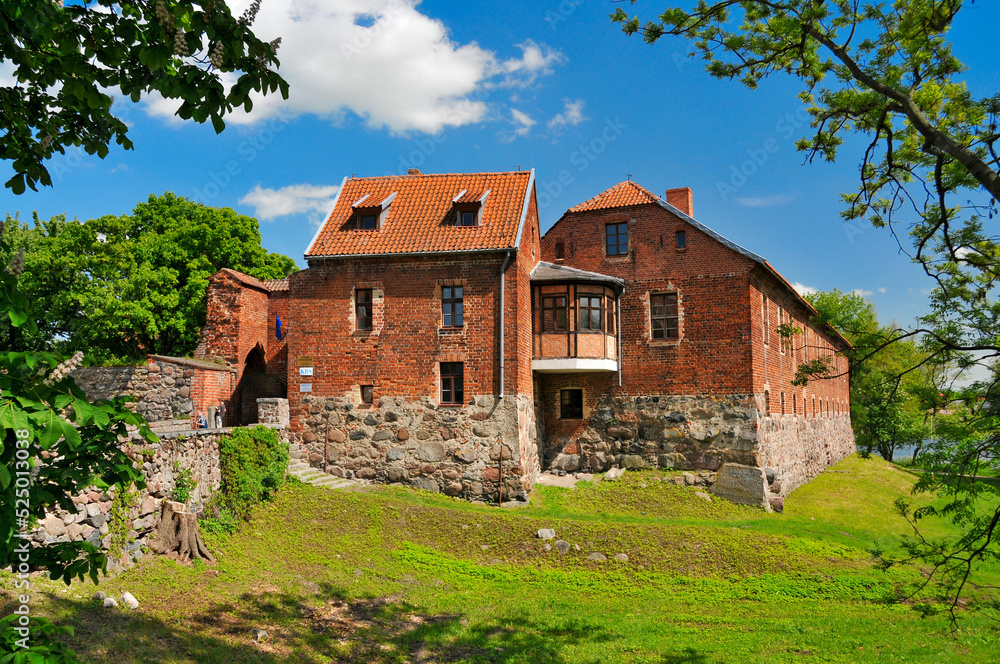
x: 456, y: 302
x: 367, y: 394
x: 577, y: 412
x: 589, y: 308
x: 617, y: 226
x: 560, y: 251
x: 680, y: 237
x: 358, y: 304
x: 555, y: 309
x: 452, y: 383
x: 665, y: 316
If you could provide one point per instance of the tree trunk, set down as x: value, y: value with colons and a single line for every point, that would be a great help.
x: 177, y: 535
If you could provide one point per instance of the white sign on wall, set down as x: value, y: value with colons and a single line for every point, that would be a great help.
x: 305, y: 387
x: 305, y: 371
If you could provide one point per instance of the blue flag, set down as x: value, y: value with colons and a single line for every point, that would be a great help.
x: 277, y: 326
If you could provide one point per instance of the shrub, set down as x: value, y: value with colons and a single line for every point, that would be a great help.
x: 42, y: 644
x: 253, y: 462
x: 184, y: 483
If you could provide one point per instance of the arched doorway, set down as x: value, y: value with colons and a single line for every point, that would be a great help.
x: 252, y: 384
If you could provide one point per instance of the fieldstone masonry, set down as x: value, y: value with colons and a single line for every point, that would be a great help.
x: 197, y: 451
x: 457, y: 451
x: 703, y: 433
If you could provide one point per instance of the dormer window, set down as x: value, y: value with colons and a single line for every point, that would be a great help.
x: 468, y: 208
x: 369, y: 214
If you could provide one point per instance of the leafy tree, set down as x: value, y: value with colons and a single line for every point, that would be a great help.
x: 120, y: 287
x: 69, y: 60
x: 53, y: 444
x: 885, y: 70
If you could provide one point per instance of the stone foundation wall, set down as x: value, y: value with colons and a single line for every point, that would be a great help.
x: 453, y: 450
x: 272, y: 410
x: 800, y: 447
x: 702, y: 433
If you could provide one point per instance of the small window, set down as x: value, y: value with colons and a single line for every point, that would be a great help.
x: 452, y: 306
x: 571, y: 404
x: 367, y: 222
x: 363, y: 308
x: 367, y: 394
x: 795, y: 404
x: 617, y: 239
x: 767, y: 402
x: 466, y: 218
x: 591, y: 308
x: 452, y: 383
x: 767, y: 326
x: 682, y: 239
x: 553, y: 313
x: 663, y: 315
x: 782, y: 403
x: 560, y: 251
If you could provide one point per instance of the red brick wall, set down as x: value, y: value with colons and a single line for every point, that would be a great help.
x: 518, y: 315
x: 400, y: 356
x: 209, y: 387
x: 713, y: 355
x: 775, y: 363
x: 277, y: 350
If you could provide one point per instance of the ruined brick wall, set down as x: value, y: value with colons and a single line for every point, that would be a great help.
x: 166, y: 388
x: 277, y: 349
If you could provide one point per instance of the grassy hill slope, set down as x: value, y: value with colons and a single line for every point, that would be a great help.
x: 391, y: 576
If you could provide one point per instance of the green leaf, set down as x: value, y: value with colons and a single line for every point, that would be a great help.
x: 4, y: 476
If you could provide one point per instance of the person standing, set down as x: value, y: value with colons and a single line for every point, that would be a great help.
x: 220, y: 414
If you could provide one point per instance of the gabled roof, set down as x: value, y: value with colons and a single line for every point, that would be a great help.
x: 629, y: 193
x: 622, y: 194
x: 419, y: 218
x: 267, y: 285
x: 553, y: 272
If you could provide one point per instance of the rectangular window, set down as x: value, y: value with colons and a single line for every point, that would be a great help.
x: 466, y: 218
x: 767, y: 327
x: 617, y: 239
x: 560, y: 251
x: 663, y: 315
x: 367, y: 222
x: 367, y: 394
x: 553, y: 313
x: 363, y: 308
x: 782, y: 403
x: 452, y: 306
x: 591, y: 311
x: 452, y: 383
x: 571, y: 404
x: 681, y: 239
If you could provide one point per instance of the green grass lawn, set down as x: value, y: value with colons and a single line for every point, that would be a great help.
x: 389, y: 575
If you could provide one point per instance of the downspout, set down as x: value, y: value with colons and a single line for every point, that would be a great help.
x: 503, y: 305
x: 618, y: 330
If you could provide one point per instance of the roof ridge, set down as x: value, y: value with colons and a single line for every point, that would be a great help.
x: 592, y: 203
x: 438, y: 175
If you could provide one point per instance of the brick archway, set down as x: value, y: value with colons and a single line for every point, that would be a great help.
x: 252, y: 384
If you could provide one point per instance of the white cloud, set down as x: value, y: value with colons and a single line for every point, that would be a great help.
x: 536, y: 60
x: 314, y: 200
x: 523, y: 124
x: 803, y: 289
x: 382, y: 60
x: 766, y: 201
x: 571, y: 116
x: 861, y: 292
x: 882, y: 290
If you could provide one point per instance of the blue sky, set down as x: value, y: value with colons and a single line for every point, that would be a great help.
x: 379, y: 86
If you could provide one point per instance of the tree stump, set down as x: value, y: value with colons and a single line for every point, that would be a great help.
x: 177, y: 534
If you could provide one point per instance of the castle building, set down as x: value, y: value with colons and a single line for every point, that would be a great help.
x: 437, y: 338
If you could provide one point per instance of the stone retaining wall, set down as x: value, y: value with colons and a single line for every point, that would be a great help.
x: 197, y: 451
x: 453, y: 450
x: 702, y: 433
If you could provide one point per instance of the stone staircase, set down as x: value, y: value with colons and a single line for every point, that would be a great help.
x: 301, y: 469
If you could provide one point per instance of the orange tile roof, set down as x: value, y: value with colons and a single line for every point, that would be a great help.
x: 420, y: 218
x: 622, y: 194
x: 245, y: 278
x: 276, y: 284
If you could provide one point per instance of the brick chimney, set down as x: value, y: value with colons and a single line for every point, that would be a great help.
x: 681, y: 199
